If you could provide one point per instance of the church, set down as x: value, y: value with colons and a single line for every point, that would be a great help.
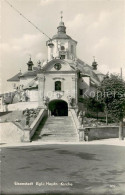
x: 59, y: 82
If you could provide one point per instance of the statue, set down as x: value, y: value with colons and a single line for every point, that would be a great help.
x: 27, y: 115
x: 23, y: 96
x: 81, y: 117
x: 69, y: 100
x: 46, y: 101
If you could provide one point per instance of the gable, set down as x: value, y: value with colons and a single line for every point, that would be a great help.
x: 57, y: 65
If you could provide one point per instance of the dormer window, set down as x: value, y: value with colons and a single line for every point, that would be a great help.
x: 62, y: 48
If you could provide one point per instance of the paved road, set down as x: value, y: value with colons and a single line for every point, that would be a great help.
x: 64, y: 169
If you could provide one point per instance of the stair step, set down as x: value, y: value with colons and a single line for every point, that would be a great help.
x: 59, y: 129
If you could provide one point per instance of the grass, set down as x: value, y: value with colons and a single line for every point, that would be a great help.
x: 15, y: 116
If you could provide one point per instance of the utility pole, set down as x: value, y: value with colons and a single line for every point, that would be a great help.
x: 121, y: 73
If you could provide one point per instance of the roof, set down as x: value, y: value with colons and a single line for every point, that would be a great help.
x: 61, y: 36
x: 87, y: 69
x: 16, y: 77
x: 61, y: 33
x: 62, y: 61
x: 29, y: 74
x: 32, y: 84
x: 98, y: 72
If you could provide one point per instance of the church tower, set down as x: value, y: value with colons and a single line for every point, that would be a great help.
x: 61, y: 46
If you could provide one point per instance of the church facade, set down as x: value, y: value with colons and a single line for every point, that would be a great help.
x: 60, y: 81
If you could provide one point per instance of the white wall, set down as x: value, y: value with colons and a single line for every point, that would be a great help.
x: 67, y: 86
x: 33, y: 95
x: 22, y: 106
x: 57, y: 47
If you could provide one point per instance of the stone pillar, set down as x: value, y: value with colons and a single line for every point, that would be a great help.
x: 81, y: 135
x: 41, y: 85
x: 26, y: 135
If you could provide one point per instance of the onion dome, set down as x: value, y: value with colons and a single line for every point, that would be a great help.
x: 30, y: 65
x: 61, y: 33
x: 61, y: 28
x: 94, y: 64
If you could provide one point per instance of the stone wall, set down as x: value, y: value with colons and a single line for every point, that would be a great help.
x: 29, y: 131
x: 9, y: 132
x: 67, y: 85
x: 103, y: 133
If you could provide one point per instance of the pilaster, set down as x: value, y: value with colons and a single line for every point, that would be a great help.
x: 75, y: 88
x: 41, y: 86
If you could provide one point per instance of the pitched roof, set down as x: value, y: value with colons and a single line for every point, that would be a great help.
x: 63, y: 62
x: 29, y: 74
x: 87, y: 69
x: 31, y: 85
x: 16, y: 77
x: 61, y: 36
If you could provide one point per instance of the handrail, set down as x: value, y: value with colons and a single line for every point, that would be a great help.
x: 75, y: 119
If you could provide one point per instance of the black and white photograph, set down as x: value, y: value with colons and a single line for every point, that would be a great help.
x: 62, y: 97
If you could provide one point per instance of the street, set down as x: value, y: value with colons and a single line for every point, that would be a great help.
x: 63, y: 169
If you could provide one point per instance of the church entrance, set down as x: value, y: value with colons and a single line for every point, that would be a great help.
x: 58, y: 108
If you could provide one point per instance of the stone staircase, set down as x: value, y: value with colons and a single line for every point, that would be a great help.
x: 59, y: 129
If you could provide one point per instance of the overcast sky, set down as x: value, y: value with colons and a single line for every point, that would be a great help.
x: 97, y: 25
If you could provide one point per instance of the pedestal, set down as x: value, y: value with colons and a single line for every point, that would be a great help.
x: 26, y: 135
x: 81, y: 135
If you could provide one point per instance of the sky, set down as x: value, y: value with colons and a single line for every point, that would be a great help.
x: 97, y: 25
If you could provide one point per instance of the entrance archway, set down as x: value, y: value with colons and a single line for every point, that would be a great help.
x: 58, y: 108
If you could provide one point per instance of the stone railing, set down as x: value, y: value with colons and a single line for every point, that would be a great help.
x: 20, y: 106
x: 29, y: 131
x: 75, y: 119
x: 82, y: 132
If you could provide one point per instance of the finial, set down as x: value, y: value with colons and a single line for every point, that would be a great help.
x: 39, y: 63
x: 94, y: 64
x: 30, y: 56
x: 20, y: 70
x: 61, y: 15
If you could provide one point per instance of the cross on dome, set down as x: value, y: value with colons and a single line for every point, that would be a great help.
x: 61, y: 15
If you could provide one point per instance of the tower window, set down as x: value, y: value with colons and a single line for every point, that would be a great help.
x: 58, y: 86
x: 80, y: 91
x: 62, y: 57
x: 62, y: 48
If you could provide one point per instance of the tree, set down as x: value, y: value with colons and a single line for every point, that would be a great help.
x: 92, y: 104
x: 111, y: 92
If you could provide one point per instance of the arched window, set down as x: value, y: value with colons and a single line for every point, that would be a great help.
x: 62, y: 47
x: 58, y: 86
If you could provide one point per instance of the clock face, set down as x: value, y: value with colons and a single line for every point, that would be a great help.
x: 57, y: 66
